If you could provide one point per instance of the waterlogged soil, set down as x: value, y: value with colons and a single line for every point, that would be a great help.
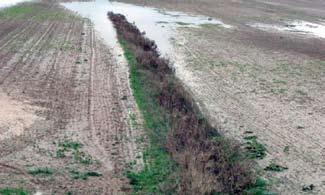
x: 66, y: 106
x: 257, y: 82
x: 158, y: 25
x: 61, y: 82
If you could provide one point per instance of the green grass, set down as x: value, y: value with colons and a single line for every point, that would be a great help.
x: 258, y: 188
x: 255, y: 150
x: 82, y: 157
x: 18, y: 11
x: 68, y: 144
x: 39, y: 11
x: 84, y: 175
x: 277, y: 81
x: 251, y: 137
x: 156, y: 173
x: 159, y: 173
x: 44, y: 171
x: 56, y: 15
x: 145, y: 94
x: 72, y: 147
x: 275, y: 167
x: 13, y: 191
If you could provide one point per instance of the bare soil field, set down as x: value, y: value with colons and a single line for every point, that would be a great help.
x: 69, y: 123
x: 251, y: 82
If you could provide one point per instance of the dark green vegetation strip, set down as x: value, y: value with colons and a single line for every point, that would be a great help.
x: 186, y: 154
x: 258, y: 188
x: 44, y: 171
x: 159, y: 170
x: 13, y: 191
x: 39, y: 11
x: 18, y: 11
x: 84, y: 175
x: 275, y: 167
x: 255, y: 149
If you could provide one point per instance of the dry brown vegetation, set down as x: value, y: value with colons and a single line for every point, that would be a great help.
x: 208, y: 162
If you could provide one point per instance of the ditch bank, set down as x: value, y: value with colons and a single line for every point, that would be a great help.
x: 186, y: 154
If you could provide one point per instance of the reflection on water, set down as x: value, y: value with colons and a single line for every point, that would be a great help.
x: 159, y: 25
x: 7, y: 3
x: 97, y: 13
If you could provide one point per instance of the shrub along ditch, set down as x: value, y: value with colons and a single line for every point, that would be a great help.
x: 186, y: 154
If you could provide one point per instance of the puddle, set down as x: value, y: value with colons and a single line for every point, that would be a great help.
x: 159, y: 25
x: 7, y: 3
x: 299, y: 27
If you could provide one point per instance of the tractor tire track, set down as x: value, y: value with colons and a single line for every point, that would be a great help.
x: 26, y: 55
x: 78, y: 85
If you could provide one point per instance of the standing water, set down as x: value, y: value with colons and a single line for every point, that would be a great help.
x: 297, y: 26
x: 157, y: 24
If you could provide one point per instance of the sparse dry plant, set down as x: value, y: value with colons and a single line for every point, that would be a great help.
x: 209, y: 163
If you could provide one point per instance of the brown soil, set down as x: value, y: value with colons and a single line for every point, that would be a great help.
x: 15, y: 117
x: 269, y: 83
x: 60, y: 82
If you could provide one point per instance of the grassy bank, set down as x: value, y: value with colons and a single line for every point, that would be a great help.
x: 186, y: 154
x: 159, y: 174
x: 13, y: 191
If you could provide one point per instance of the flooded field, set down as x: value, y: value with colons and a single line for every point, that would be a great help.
x: 74, y: 118
x: 158, y: 25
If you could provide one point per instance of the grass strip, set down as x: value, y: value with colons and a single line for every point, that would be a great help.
x: 44, y: 171
x: 38, y: 10
x: 13, y: 191
x: 159, y: 173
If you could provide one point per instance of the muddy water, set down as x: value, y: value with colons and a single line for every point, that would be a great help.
x: 159, y: 25
x: 7, y: 3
